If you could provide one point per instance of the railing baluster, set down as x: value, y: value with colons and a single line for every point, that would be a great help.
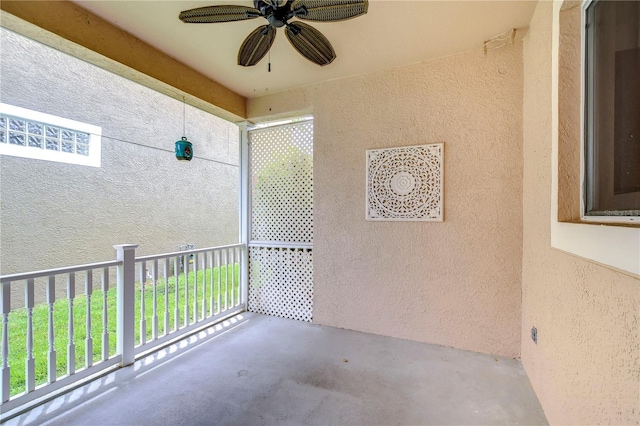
x: 166, y: 296
x: 226, y: 279
x: 229, y: 282
x: 223, y: 304
x: 185, y: 264
x: 233, y: 277
x: 30, y: 365
x: 219, y: 258
x: 88, y: 343
x: 6, y: 370
x: 105, y: 319
x: 211, y: 295
x: 143, y: 319
x: 154, y: 320
x: 195, y: 288
x: 230, y: 273
x: 239, y: 277
x: 204, y: 285
x: 239, y: 274
x: 51, y: 299
x: 71, y: 345
x: 176, y: 318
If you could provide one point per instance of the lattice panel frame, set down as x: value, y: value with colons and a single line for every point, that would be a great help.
x: 405, y: 183
x: 282, y: 183
x: 281, y: 282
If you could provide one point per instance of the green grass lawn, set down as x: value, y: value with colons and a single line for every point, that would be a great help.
x: 18, y: 321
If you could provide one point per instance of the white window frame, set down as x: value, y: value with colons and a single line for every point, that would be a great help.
x: 617, y: 247
x: 95, y: 139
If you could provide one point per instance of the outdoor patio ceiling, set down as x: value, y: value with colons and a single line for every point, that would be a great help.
x: 200, y: 60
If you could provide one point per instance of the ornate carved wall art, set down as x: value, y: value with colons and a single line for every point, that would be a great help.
x: 405, y: 183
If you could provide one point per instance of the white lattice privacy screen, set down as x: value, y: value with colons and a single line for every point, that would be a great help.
x: 281, y: 282
x: 280, y: 247
x: 405, y: 183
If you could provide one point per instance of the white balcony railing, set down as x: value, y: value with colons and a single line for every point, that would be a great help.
x: 157, y: 299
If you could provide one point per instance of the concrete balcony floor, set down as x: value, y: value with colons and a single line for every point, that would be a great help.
x: 257, y: 369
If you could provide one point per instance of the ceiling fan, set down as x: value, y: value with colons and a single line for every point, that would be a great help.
x: 308, y: 41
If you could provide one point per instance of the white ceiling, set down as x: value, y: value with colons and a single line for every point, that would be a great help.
x: 393, y: 33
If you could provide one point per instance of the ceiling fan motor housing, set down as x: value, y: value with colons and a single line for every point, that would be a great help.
x: 276, y: 15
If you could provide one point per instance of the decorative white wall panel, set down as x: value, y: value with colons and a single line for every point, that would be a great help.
x: 281, y: 234
x: 405, y: 183
x: 281, y: 282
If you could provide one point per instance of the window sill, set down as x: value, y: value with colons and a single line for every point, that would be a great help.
x: 617, y: 247
x: 626, y: 221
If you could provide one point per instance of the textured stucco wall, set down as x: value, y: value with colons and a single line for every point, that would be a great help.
x: 55, y: 214
x: 569, y: 115
x: 585, y: 368
x: 455, y: 283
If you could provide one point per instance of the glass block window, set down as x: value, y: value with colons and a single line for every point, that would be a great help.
x: 18, y: 131
x: 30, y: 134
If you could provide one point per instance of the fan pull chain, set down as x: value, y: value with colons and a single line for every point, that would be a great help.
x: 269, y: 60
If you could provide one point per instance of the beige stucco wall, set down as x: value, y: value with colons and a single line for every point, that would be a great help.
x: 455, y: 283
x: 585, y: 368
x: 56, y: 214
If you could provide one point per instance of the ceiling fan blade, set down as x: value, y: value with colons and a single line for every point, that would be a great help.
x: 310, y: 43
x: 256, y: 45
x: 214, y: 14
x: 329, y: 10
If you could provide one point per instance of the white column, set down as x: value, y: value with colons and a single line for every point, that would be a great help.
x: 245, y: 203
x: 125, y: 328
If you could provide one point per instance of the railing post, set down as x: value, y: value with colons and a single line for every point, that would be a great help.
x: 245, y: 208
x: 126, y: 293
